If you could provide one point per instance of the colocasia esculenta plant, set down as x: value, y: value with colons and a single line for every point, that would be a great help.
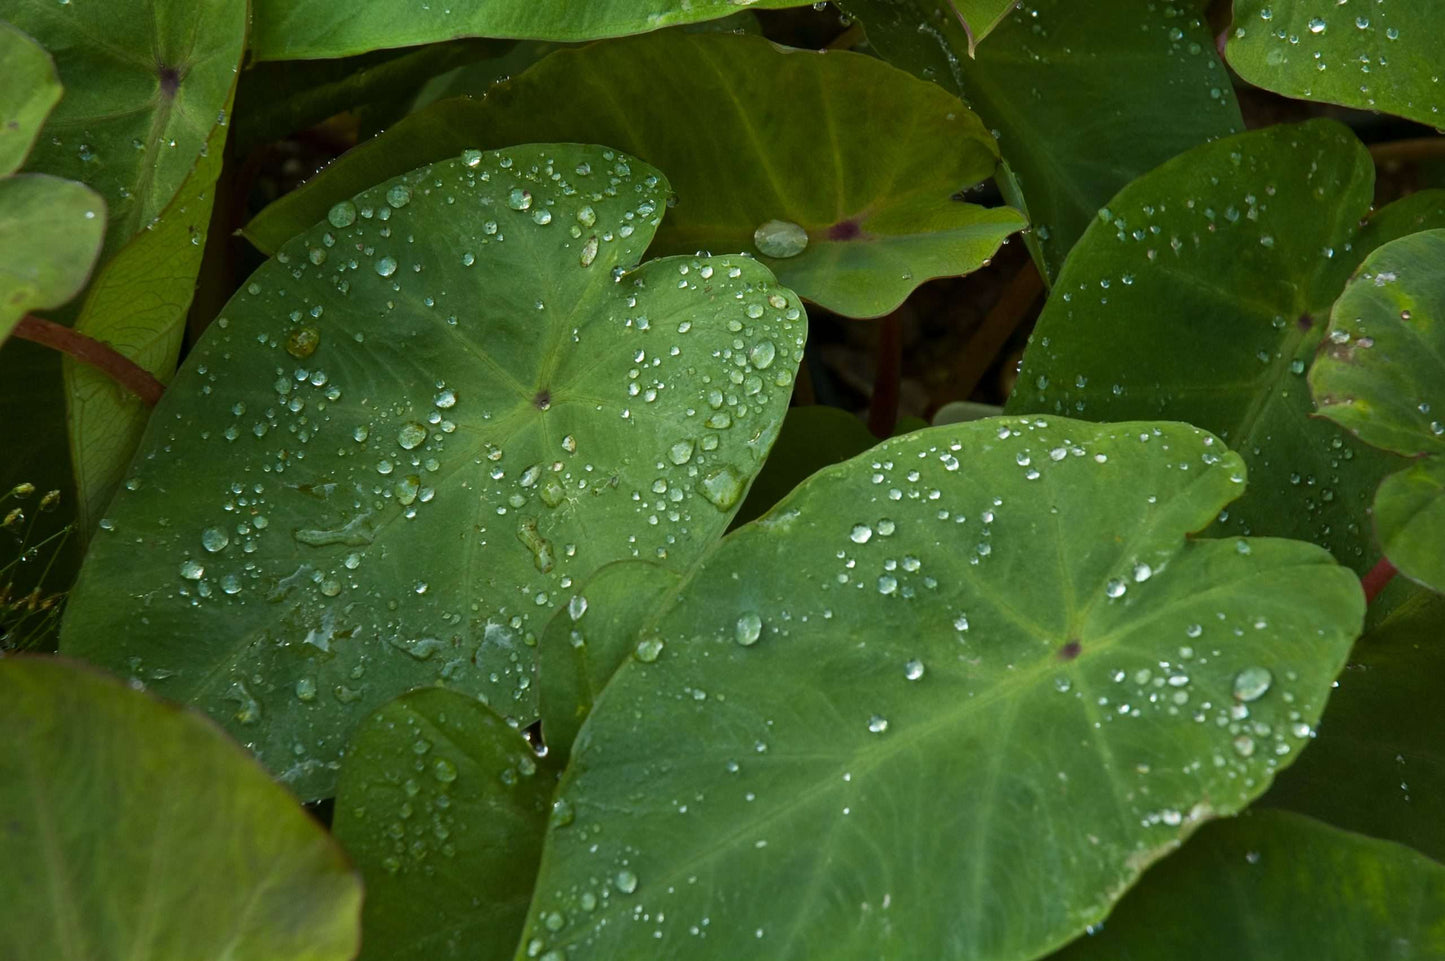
x: 722, y: 480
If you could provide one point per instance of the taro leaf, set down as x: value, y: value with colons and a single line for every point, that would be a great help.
x: 951, y: 697
x: 1273, y: 886
x: 322, y: 29
x: 1200, y: 293
x: 135, y: 830
x: 442, y: 806
x: 1376, y: 766
x: 1381, y: 374
x: 138, y: 306
x: 51, y: 232
x: 813, y: 437
x: 143, y: 90
x: 1375, y: 56
x: 877, y: 205
x: 31, y: 90
x: 1062, y: 91
x: 579, y: 654
x: 387, y: 461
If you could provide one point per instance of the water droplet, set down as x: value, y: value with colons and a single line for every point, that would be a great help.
x: 748, y: 629
x: 562, y: 813
x: 860, y: 534
x: 648, y: 649
x: 780, y: 238
x: 723, y: 487
x: 576, y: 607
x: 1251, y: 683
x: 762, y: 354
x: 192, y: 570
x: 214, y: 539
x: 877, y: 724
x: 626, y: 881
x: 342, y: 215
x: 444, y: 771
x: 399, y: 195
x: 386, y: 266
x: 681, y: 452
x: 302, y: 342
x: 913, y: 670
x: 411, y: 435
x: 519, y: 199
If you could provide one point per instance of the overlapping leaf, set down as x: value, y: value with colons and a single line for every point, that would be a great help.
x: 135, y: 830
x: 805, y: 160
x: 31, y: 90
x: 1201, y: 292
x: 322, y: 29
x: 411, y: 432
x: 1375, y: 56
x: 1064, y: 89
x: 51, y: 231
x: 442, y: 806
x: 952, y: 697
x: 1382, y: 375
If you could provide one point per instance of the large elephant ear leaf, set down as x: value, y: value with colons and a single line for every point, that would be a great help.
x: 32, y: 88
x: 136, y: 829
x: 958, y: 691
x: 392, y: 455
x: 1381, y: 374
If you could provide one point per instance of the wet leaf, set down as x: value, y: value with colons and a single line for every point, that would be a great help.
x: 1381, y: 374
x: 31, y: 90
x: 51, y: 232
x: 1375, y: 766
x: 1201, y: 292
x: 142, y: 94
x: 442, y: 806
x: 413, y: 431
x: 957, y: 692
x: 138, y: 306
x: 134, y: 829
x: 579, y: 654
x: 1377, y: 56
x: 1063, y: 92
x: 1273, y: 886
x: 322, y: 29
x: 855, y: 231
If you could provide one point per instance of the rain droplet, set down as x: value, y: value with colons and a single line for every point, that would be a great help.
x: 780, y: 238
x: 860, y: 534
x: 913, y: 670
x: 386, y: 266
x: 399, y: 195
x: 748, y: 629
x: 444, y: 771
x: 626, y: 881
x: 214, y: 539
x: 1251, y: 683
x: 302, y: 342
x: 648, y: 649
x: 192, y: 570
x: 411, y: 436
x: 343, y: 214
x: 877, y: 724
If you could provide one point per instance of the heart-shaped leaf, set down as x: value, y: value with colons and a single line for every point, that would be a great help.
x: 401, y: 444
x: 1381, y: 374
x: 855, y: 232
x: 1062, y: 90
x: 322, y: 29
x: 51, y: 231
x: 441, y: 805
x: 142, y: 94
x: 1376, y: 766
x: 136, y: 830
x: 31, y: 89
x: 1377, y: 56
x: 1200, y: 293
x: 951, y: 696
x: 1277, y: 887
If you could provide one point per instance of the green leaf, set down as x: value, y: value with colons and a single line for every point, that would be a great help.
x: 142, y: 94
x: 138, y: 306
x: 136, y: 830
x: 978, y: 18
x: 813, y: 437
x: 321, y: 29
x: 1277, y: 887
x: 579, y: 654
x: 1381, y: 374
x: 1200, y: 294
x: 952, y: 696
x: 1063, y: 92
x: 51, y: 232
x: 31, y: 89
x: 441, y: 805
x: 1375, y: 766
x: 877, y: 212
x: 1373, y: 56
x: 396, y: 449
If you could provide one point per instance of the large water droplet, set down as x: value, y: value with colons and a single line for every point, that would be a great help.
x: 723, y: 487
x: 302, y: 342
x: 1251, y: 683
x: 780, y: 238
x: 748, y: 629
x: 343, y: 214
x: 411, y: 435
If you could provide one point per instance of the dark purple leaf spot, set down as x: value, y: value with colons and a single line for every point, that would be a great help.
x: 1070, y: 651
x: 543, y: 400
x: 845, y: 230
x: 1305, y: 322
x: 170, y: 79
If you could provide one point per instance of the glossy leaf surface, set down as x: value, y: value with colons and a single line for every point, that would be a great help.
x: 51, y: 231
x: 854, y: 225
x: 322, y: 29
x: 1201, y: 293
x: 31, y: 90
x: 442, y: 806
x: 412, y: 431
x: 1277, y: 887
x: 1375, y: 766
x: 138, y: 306
x: 1375, y: 56
x: 135, y: 830
x: 953, y: 696
x: 1063, y: 90
x: 142, y: 94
